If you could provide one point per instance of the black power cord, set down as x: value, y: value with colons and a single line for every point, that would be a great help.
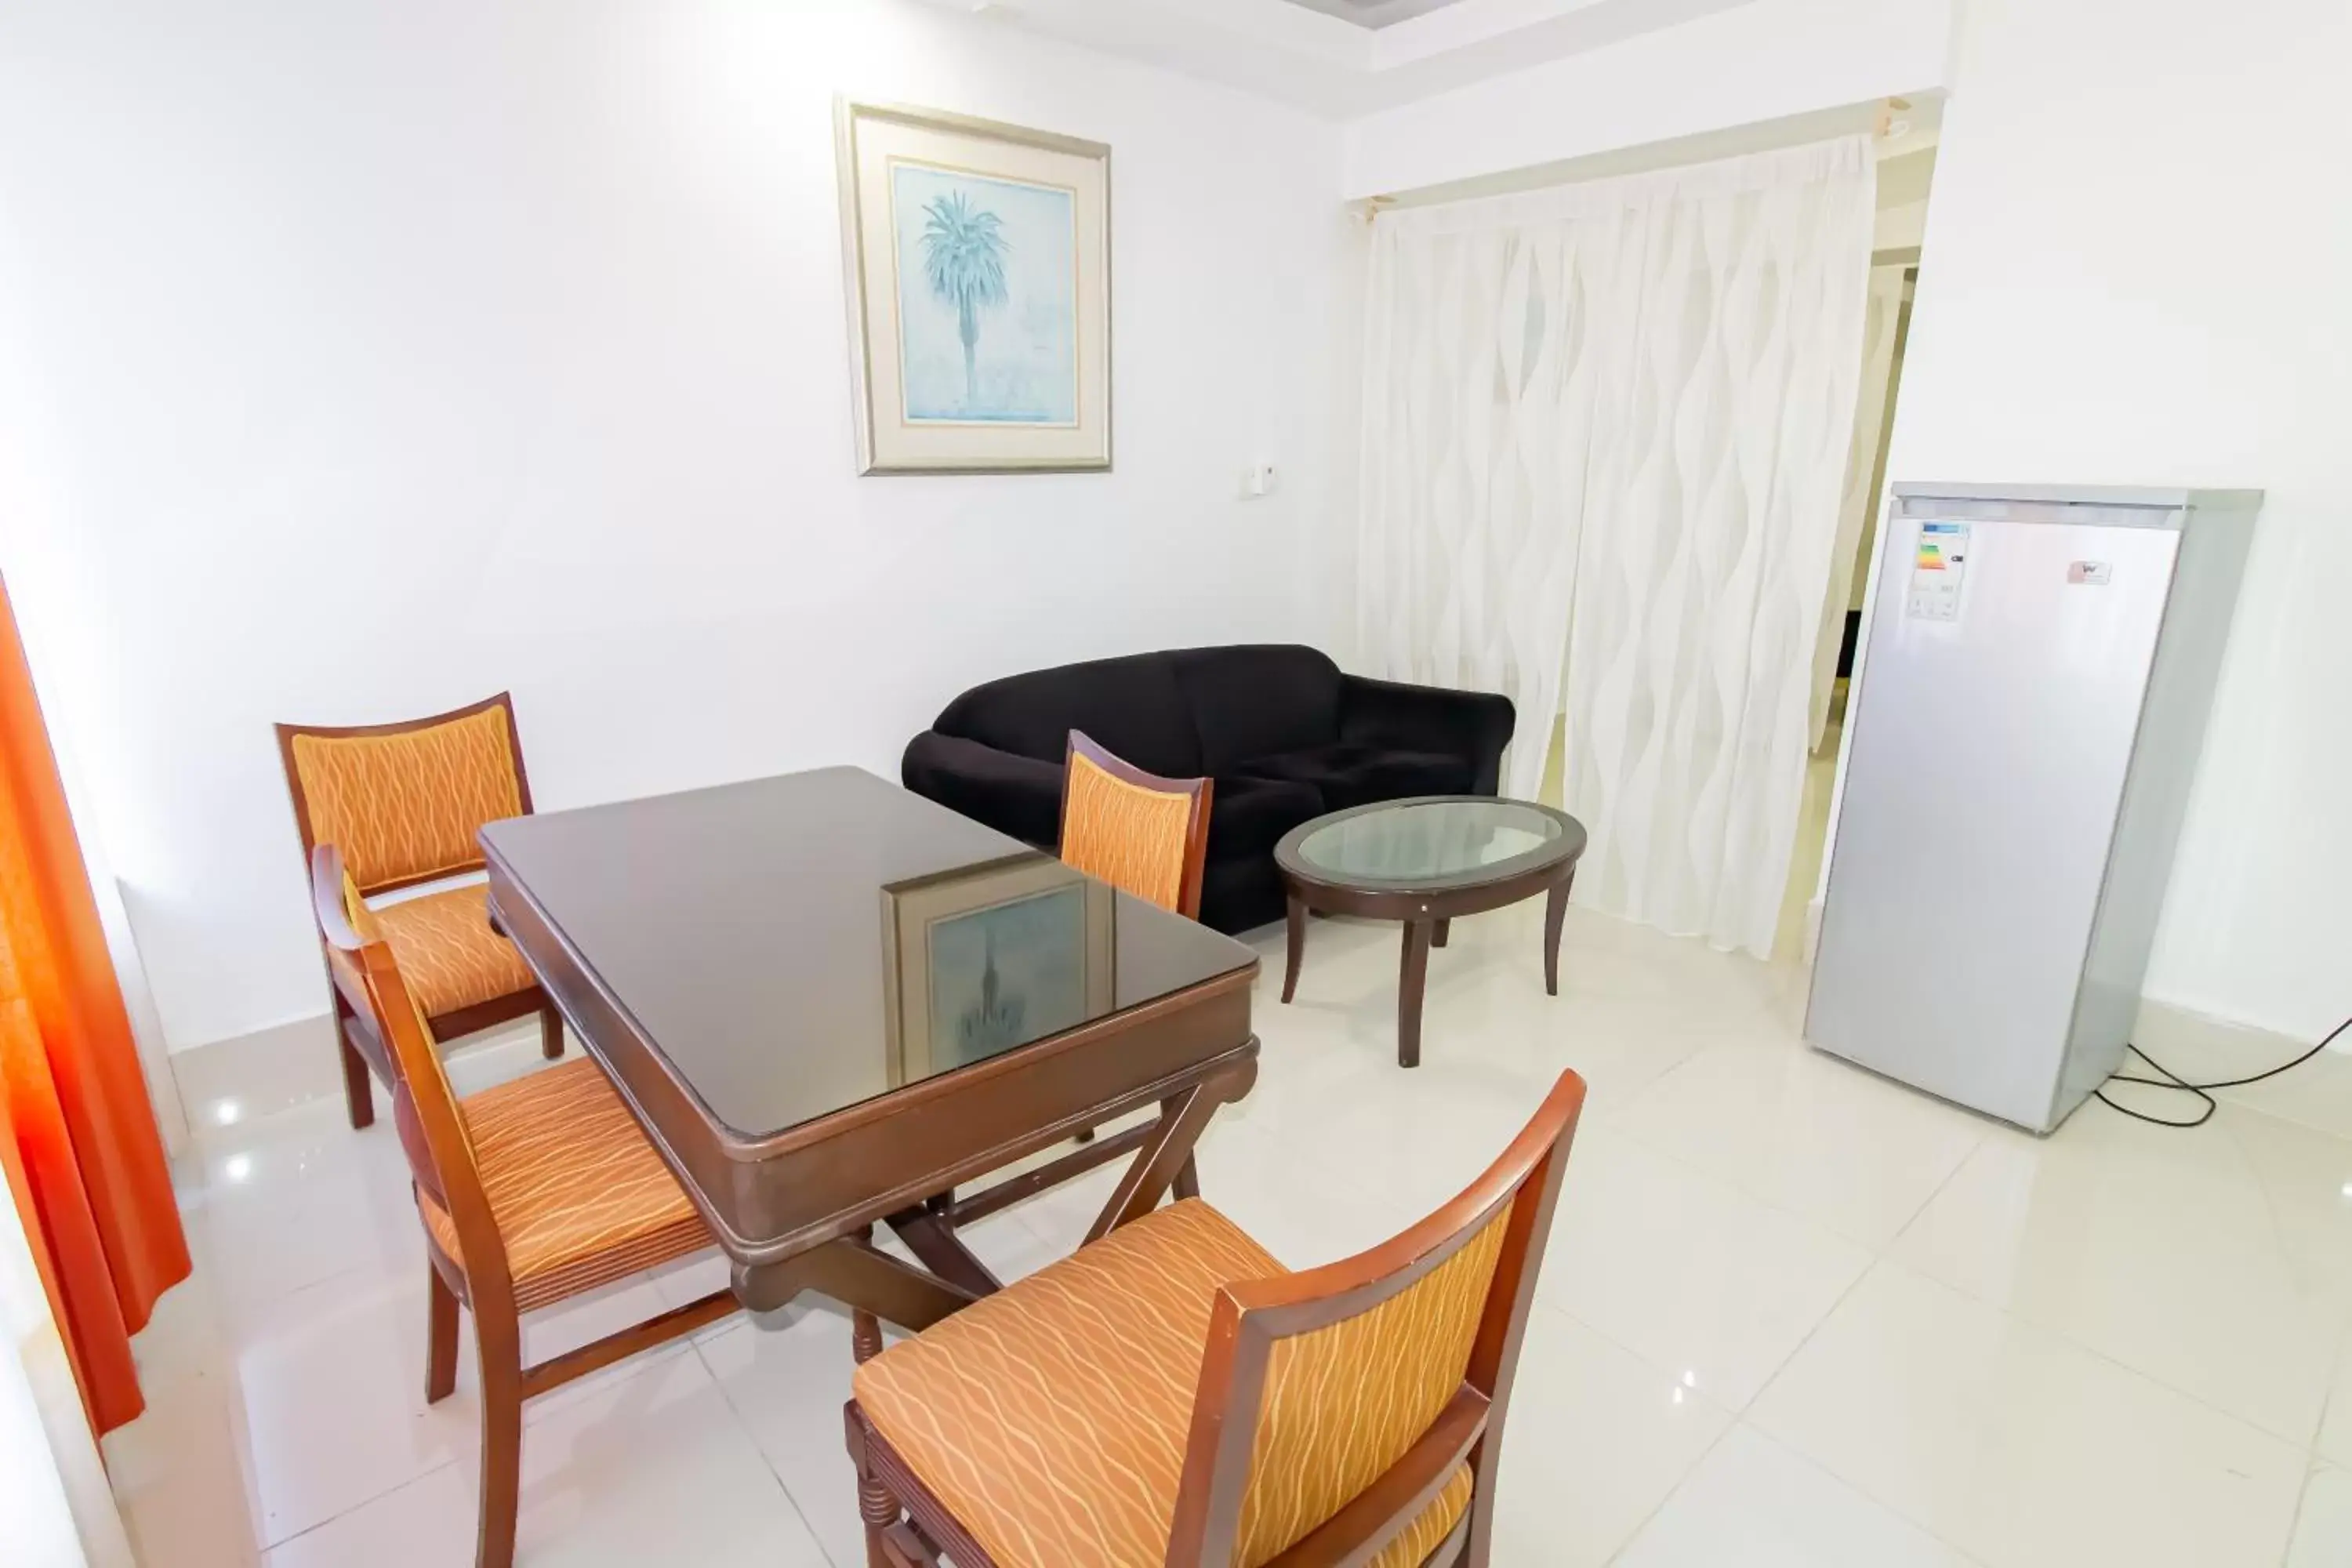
x: 2176, y: 1084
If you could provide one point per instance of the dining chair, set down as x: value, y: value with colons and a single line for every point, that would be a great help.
x: 403, y: 802
x: 1142, y: 834
x: 1170, y: 1395
x: 531, y: 1193
x: 1145, y: 835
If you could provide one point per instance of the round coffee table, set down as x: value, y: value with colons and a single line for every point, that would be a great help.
x: 1424, y: 862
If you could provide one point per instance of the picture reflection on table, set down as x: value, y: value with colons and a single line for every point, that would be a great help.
x: 988, y: 958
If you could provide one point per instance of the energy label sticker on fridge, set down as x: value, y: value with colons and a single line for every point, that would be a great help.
x: 1936, y: 572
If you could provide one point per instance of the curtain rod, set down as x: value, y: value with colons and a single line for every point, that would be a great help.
x: 1887, y: 126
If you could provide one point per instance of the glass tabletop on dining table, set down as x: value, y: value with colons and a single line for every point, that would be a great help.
x: 796, y: 946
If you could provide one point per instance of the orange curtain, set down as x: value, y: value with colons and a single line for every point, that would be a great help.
x: 78, y: 1136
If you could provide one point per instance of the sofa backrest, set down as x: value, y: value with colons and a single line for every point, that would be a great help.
x: 1131, y: 705
x: 1257, y: 700
x: 1181, y: 714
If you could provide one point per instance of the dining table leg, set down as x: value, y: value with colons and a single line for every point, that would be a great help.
x: 1166, y: 1158
x: 1411, y: 982
x: 929, y: 1234
x: 860, y: 1276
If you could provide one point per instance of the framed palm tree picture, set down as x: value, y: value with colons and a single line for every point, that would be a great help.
x: 979, y: 272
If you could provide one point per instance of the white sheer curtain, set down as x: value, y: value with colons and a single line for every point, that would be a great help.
x: 1605, y: 430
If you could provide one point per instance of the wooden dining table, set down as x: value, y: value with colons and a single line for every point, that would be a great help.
x: 834, y: 1005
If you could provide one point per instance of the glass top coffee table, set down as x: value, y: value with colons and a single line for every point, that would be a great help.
x: 1424, y: 861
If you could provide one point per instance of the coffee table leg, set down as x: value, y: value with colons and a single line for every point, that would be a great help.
x: 1555, y: 914
x: 1296, y: 918
x: 1411, y: 984
x: 1444, y: 929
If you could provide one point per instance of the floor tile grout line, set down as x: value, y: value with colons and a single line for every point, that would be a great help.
x: 264, y: 1547
x: 314, y: 1529
x: 1634, y: 1535
x: 1723, y: 1182
x: 1779, y: 1371
x: 2068, y: 1338
x: 2251, y: 1109
x: 2339, y: 1366
x: 1618, y: 1113
x: 1881, y: 1257
x: 2294, y: 1521
x: 604, y: 1378
x: 743, y: 1426
x: 1976, y: 1151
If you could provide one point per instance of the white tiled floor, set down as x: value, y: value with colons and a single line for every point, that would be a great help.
x: 1793, y: 1315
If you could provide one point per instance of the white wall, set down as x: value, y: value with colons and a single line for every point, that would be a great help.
x: 1759, y: 60
x: 360, y: 359
x: 2135, y: 272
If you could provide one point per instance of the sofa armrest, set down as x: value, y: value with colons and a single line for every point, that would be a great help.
x: 1475, y: 725
x: 1014, y: 795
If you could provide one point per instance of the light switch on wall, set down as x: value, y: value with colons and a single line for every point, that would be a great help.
x: 1257, y: 481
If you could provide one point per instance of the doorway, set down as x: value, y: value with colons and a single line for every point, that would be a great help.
x: 1904, y: 184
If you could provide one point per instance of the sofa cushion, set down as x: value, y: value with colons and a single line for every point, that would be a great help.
x: 1131, y: 705
x: 1250, y: 701
x: 1347, y: 774
x: 1249, y: 815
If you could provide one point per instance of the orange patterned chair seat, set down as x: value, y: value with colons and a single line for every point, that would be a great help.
x: 580, y: 1198
x: 1051, y: 1418
x: 447, y: 952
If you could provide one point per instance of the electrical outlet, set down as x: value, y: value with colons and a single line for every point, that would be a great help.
x: 1258, y: 481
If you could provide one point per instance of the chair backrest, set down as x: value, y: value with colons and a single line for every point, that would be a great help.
x: 403, y: 802
x: 1353, y: 1413
x: 1142, y: 834
x: 423, y: 1105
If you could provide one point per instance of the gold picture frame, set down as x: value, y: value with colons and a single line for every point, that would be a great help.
x: 978, y: 266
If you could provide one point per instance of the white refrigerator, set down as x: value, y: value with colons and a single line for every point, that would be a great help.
x: 2025, y: 726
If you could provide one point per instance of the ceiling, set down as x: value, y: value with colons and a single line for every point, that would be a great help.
x: 1340, y: 59
x: 1375, y: 12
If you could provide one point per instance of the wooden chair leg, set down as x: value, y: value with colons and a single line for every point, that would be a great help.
x: 498, y: 1339
x: 359, y: 1096
x: 440, y: 1337
x: 876, y: 1506
x: 551, y: 1033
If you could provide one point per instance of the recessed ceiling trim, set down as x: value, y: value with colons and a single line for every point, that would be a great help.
x: 1375, y: 12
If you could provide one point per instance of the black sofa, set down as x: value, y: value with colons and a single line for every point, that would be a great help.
x: 1284, y: 733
